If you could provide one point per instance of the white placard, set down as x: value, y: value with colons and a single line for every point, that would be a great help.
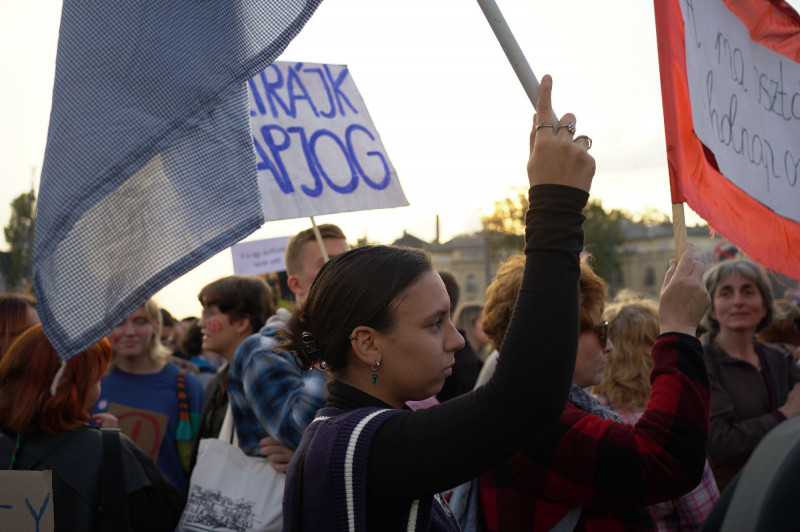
x: 26, y: 501
x: 258, y: 257
x: 318, y: 151
x: 745, y: 105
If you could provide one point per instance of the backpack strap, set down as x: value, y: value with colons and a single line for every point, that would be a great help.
x: 112, y: 507
x: 184, y: 429
x: 297, y: 493
x: 183, y: 397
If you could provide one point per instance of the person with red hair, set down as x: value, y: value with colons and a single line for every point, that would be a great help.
x: 45, y: 406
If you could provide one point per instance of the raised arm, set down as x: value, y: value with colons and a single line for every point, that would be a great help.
x: 437, y: 448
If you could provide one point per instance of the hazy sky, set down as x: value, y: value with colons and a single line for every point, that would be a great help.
x: 451, y: 113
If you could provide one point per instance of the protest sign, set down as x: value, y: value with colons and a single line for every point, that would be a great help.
x: 145, y: 427
x: 317, y: 150
x: 258, y: 257
x: 731, y: 94
x: 26, y: 501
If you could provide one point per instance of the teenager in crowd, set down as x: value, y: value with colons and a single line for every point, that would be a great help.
x: 273, y: 401
x: 142, y: 379
x: 234, y: 308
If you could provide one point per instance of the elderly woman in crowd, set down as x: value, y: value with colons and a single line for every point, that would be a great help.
x: 754, y: 385
x: 590, y: 470
x: 44, y: 410
x: 633, y: 329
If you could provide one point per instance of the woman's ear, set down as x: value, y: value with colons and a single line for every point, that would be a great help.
x: 364, y: 345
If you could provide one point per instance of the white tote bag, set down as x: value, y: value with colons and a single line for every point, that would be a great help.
x: 230, y: 491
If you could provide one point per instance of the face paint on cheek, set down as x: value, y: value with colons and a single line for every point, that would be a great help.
x: 114, y: 337
x: 214, y: 325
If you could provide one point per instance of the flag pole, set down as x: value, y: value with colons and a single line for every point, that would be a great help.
x: 531, y: 86
x: 678, y: 229
x: 513, y: 52
x: 319, y: 240
x: 666, y: 24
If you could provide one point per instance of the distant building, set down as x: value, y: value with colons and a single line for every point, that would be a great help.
x: 645, y: 254
x: 643, y: 258
x: 468, y: 258
x: 411, y: 241
x: 465, y: 256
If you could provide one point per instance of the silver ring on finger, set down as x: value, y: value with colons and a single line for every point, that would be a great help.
x: 542, y: 124
x: 570, y: 127
x: 588, y: 141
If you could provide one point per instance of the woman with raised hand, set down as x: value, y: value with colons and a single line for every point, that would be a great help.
x: 633, y: 328
x: 377, y: 318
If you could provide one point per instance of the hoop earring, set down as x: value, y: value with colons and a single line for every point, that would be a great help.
x: 375, y: 369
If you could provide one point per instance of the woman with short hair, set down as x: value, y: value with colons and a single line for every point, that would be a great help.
x: 589, y: 470
x: 44, y: 410
x: 754, y: 385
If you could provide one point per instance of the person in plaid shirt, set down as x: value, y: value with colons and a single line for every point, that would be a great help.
x: 633, y: 329
x: 272, y: 400
x: 590, y: 471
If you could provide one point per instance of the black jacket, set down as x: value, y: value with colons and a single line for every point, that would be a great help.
x: 75, y: 457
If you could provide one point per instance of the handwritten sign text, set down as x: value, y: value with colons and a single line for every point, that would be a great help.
x: 745, y: 105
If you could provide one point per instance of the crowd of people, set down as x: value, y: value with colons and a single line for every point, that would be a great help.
x: 390, y: 406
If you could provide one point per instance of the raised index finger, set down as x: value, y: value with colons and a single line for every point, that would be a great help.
x: 544, y: 107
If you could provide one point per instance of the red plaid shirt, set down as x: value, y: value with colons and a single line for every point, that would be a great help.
x: 612, y: 469
x: 688, y: 512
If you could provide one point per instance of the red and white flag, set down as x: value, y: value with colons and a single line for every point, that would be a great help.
x: 730, y: 81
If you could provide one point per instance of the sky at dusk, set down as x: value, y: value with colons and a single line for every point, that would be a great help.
x: 452, y: 116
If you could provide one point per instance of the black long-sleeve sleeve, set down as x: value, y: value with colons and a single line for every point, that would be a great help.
x: 430, y: 450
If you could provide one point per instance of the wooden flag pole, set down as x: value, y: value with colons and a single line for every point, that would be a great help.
x: 678, y: 229
x: 319, y: 240
x: 513, y: 52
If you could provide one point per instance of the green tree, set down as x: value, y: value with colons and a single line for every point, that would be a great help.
x: 505, y: 227
x: 362, y: 241
x: 603, y: 233
x: 18, y: 272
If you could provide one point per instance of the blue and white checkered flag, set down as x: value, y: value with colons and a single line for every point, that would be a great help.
x: 149, y: 168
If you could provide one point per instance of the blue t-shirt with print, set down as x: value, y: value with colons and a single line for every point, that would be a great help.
x: 155, y: 392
